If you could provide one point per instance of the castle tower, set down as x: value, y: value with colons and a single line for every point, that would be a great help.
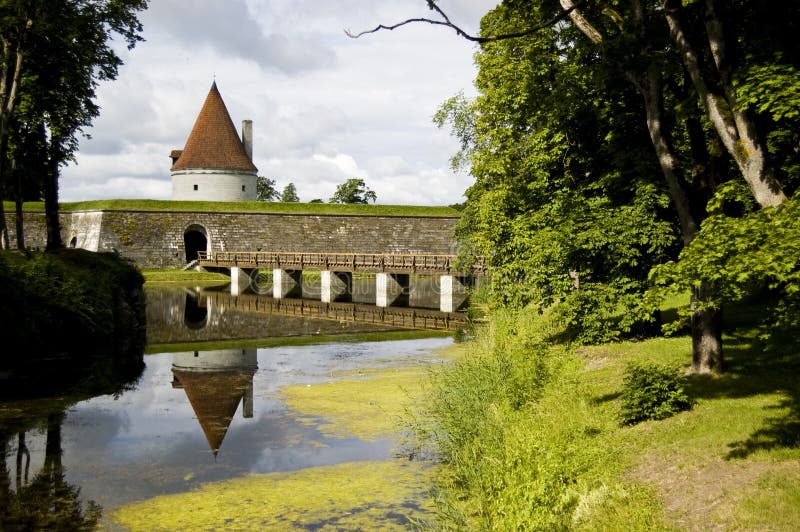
x: 216, y: 382
x: 216, y: 164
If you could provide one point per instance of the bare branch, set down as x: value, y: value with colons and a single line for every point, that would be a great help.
x: 474, y: 38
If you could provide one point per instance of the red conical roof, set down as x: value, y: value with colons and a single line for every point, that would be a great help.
x: 214, y: 397
x: 214, y: 142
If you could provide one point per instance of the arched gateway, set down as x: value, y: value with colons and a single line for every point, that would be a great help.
x: 195, y: 238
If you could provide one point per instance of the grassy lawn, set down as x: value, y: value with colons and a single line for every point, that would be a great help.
x: 565, y: 461
x: 171, y: 275
x: 280, y: 341
x: 246, y: 206
x: 733, y: 461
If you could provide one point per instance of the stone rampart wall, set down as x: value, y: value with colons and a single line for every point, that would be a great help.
x: 156, y: 239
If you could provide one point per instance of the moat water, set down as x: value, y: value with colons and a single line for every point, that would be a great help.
x: 207, y: 407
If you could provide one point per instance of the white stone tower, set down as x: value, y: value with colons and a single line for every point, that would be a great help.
x: 216, y: 164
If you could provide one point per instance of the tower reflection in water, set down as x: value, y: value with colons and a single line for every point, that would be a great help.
x: 215, y: 382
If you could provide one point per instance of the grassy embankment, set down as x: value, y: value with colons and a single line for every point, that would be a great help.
x: 63, y: 309
x: 531, y: 438
x: 244, y: 206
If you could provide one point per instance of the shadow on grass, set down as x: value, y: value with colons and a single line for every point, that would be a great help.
x: 606, y: 398
x: 753, y: 368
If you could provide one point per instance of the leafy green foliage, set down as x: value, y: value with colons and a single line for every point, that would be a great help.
x: 353, y: 191
x: 652, y: 391
x: 265, y: 189
x: 64, y: 51
x: 289, y: 194
x: 773, y: 89
x: 567, y: 202
x: 73, y: 301
x: 742, y: 256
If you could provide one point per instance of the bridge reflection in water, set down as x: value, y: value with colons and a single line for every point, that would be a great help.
x: 399, y: 317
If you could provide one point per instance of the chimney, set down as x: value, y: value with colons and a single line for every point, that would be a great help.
x: 247, y: 137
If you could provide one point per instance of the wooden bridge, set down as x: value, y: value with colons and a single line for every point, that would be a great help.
x: 340, y: 262
x: 392, y: 273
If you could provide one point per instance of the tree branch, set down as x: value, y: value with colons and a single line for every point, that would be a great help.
x: 445, y: 21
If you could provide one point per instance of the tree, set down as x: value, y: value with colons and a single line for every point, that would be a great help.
x: 265, y: 189
x: 353, y: 191
x: 16, y: 23
x: 630, y: 41
x: 59, y: 59
x: 289, y: 194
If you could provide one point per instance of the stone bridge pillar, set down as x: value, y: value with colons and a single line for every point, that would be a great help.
x: 451, y: 292
x: 392, y: 289
x: 336, y: 286
x: 240, y: 280
x: 287, y: 283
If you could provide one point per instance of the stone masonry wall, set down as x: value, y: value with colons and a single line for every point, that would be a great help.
x: 156, y: 239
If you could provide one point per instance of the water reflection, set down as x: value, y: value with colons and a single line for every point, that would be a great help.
x: 194, y: 416
x: 31, y: 438
x: 162, y: 436
x: 49, y: 501
x: 195, y: 315
x: 215, y: 383
x: 183, y: 315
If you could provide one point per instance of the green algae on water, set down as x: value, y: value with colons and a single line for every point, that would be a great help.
x: 388, y: 495
x: 370, y: 406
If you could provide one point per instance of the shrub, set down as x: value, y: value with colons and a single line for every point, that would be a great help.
x: 652, y: 391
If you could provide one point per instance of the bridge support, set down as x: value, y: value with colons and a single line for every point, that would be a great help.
x: 336, y: 286
x: 391, y: 289
x: 287, y: 283
x: 239, y: 280
x: 451, y: 290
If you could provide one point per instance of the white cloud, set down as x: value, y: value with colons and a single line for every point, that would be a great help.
x: 325, y: 107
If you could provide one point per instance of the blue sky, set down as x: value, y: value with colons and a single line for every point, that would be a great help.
x: 325, y: 107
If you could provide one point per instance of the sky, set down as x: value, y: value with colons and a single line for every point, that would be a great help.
x: 325, y: 107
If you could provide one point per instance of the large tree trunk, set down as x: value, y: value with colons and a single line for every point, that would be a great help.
x: 706, y: 323
x: 4, y: 241
x: 706, y: 333
x: 20, y: 227
x: 9, y: 85
x: 51, y: 208
x: 650, y: 87
x: 736, y: 130
x: 706, y: 329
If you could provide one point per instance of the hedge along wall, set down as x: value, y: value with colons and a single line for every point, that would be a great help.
x: 156, y: 239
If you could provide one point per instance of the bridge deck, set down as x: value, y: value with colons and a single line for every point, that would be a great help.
x: 340, y: 262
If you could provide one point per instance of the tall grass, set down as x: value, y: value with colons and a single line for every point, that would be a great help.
x: 516, y: 433
x: 530, y: 437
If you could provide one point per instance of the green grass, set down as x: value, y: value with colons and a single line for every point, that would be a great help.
x: 292, y: 340
x: 171, y: 275
x: 245, y: 206
x: 556, y: 456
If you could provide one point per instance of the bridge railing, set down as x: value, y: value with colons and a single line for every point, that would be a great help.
x: 350, y: 262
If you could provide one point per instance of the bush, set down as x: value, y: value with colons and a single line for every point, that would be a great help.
x: 652, y: 391
x: 69, y: 309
